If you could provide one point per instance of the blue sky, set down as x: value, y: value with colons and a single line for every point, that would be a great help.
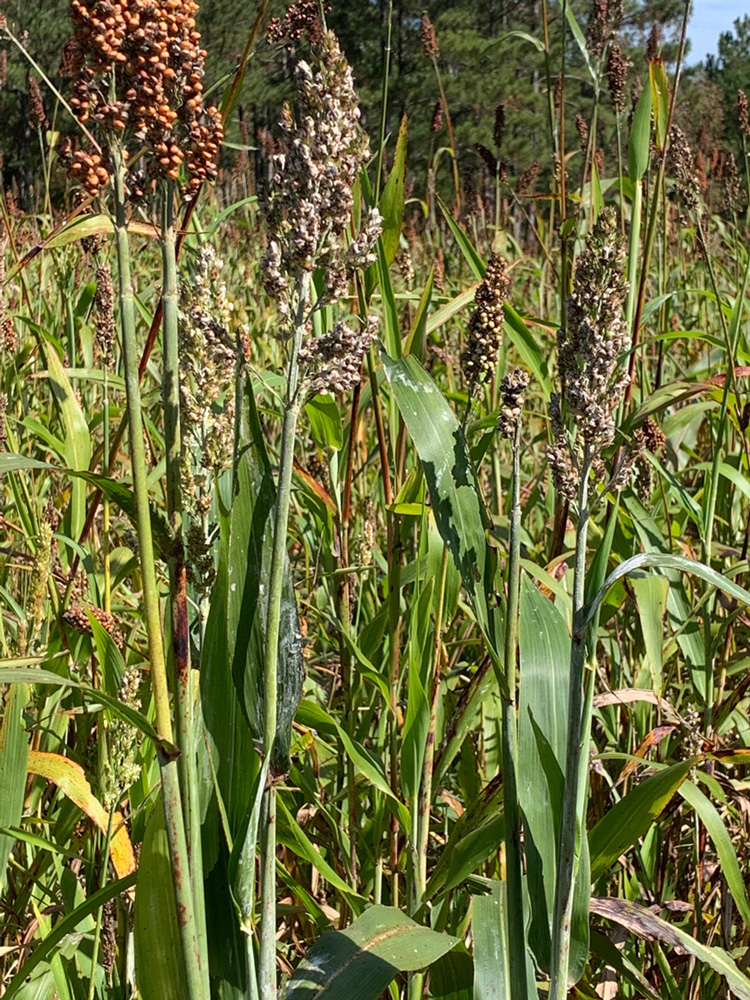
x: 709, y: 19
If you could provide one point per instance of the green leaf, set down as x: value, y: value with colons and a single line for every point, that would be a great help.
x: 14, y: 751
x: 415, y: 342
x: 363, y: 959
x: 43, y: 950
x: 596, y: 190
x: 629, y: 820
x: 489, y: 929
x: 474, y: 837
x: 392, y: 199
x: 544, y: 648
x: 580, y: 40
x: 640, y: 137
x: 249, y: 561
x: 471, y: 254
x: 30, y: 675
x: 452, y: 977
x: 651, y: 593
x: 722, y: 842
x: 642, y: 922
x: 665, y: 561
x: 17, y: 463
x: 529, y: 349
x: 77, y: 439
x: 454, y: 493
x: 110, y: 658
x: 325, y: 421
x: 159, y: 968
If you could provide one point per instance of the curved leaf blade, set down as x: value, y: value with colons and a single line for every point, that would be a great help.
x: 363, y: 960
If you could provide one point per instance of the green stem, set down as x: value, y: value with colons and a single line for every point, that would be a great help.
x: 100, y: 911
x: 384, y: 102
x: 514, y: 867
x: 577, y: 751
x: 449, y: 125
x: 175, y: 824
x: 292, y: 406
x: 177, y: 567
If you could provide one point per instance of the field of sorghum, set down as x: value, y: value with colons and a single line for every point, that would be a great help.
x: 372, y: 569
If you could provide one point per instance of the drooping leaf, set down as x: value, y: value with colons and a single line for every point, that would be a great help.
x: 665, y: 561
x: 30, y: 675
x: 528, y: 347
x: 124, y: 498
x: 363, y: 959
x: 647, y: 925
x: 722, y: 842
x: 471, y: 255
x: 46, y: 948
x: 475, y: 836
x: 629, y: 819
x: 71, y: 780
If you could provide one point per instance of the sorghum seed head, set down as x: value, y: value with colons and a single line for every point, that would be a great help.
x: 437, y: 117
x: 512, y: 389
x: 588, y: 351
x: 333, y: 363
x: 479, y: 359
x: 309, y: 203
x: 582, y: 127
x: 37, y: 116
x: 489, y: 160
x: 151, y: 49
x: 527, y: 180
x: 498, y: 132
x: 598, y: 31
x: 617, y: 70
x: 654, y: 41
x: 743, y: 113
x: 104, y: 307
x: 682, y: 168
x: 428, y: 37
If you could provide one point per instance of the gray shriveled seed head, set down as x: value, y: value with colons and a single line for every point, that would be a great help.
x: 588, y: 349
x: 321, y: 152
x: 512, y: 389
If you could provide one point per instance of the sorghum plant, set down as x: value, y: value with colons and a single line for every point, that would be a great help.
x: 137, y: 71
x: 308, y: 212
x: 582, y: 416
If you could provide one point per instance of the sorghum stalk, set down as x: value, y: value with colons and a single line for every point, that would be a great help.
x: 177, y: 568
x: 589, y: 347
x: 384, y: 102
x: 422, y: 824
x: 577, y: 750
x: 292, y: 406
x: 196, y: 978
x: 516, y: 942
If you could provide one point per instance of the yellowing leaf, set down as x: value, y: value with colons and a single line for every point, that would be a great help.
x: 71, y: 780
